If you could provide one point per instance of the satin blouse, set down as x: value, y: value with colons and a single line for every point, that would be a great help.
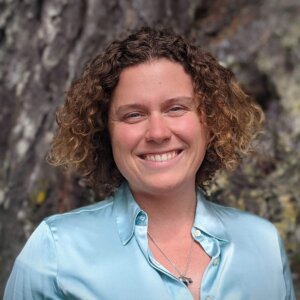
x: 101, y: 252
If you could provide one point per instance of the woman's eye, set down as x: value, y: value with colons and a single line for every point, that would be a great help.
x: 133, y: 117
x: 177, y: 110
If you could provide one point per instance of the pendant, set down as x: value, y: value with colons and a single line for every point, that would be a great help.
x: 185, y: 280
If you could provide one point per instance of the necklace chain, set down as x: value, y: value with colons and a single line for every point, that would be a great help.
x: 182, y: 276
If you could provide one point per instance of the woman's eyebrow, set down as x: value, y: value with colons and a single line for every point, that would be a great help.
x: 141, y: 106
x: 132, y: 106
x: 178, y: 99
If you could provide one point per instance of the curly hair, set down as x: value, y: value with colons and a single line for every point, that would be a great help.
x: 82, y: 140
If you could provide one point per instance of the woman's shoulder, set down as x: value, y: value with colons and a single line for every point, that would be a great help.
x: 238, y: 222
x: 78, y: 217
x: 87, y: 222
x: 72, y: 228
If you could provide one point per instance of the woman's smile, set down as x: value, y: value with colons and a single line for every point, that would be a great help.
x: 160, y: 157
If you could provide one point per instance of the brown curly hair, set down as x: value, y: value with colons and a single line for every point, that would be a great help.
x: 82, y: 140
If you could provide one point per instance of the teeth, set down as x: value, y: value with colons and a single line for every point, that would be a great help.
x: 160, y: 157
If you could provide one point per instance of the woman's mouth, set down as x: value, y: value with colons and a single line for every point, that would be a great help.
x: 161, y: 157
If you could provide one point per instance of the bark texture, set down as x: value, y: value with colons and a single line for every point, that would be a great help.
x: 44, y: 45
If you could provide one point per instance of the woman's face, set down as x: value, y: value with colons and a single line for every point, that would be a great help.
x: 158, y: 139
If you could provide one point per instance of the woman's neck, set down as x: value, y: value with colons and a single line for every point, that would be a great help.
x: 173, y: 210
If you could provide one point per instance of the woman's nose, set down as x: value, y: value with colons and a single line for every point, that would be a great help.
x: 158, y: 130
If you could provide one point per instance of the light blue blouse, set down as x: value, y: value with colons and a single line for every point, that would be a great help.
x: 101, y: 252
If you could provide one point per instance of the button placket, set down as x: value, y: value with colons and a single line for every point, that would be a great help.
x: 212, y: 248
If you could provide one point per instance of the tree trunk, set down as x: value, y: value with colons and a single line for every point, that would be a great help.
x: 44, y: 45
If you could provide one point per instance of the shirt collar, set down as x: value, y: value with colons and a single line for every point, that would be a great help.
x: 126, y: 211
x: 208, y: 218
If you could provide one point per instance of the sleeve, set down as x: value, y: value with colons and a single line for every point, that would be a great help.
x: 34, y: 274
x: 290, y: 292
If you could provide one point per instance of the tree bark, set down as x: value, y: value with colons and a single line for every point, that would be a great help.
x: 43, y: 47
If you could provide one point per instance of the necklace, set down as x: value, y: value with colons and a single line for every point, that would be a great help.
x: 182, y: 276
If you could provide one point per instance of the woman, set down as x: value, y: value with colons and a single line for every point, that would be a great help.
x: 150, y: 122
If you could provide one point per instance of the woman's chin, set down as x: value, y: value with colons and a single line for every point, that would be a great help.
x: 160, y: 187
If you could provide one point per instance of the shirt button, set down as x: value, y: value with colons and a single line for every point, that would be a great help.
x: 142, y: 218
x: 197, y: 233
x: 209, y: 298
x: 215, y: 261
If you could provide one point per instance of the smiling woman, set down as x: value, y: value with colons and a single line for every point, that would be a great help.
x: 148, y: 124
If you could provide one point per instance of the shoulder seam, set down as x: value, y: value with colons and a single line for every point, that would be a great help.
x: 85, y: 208
x: 57, y: 285
x: 80, y: 210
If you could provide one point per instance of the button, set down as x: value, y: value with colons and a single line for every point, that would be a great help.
x: 197, y: 233
x: 142, y: 217
x: 215, y: 261
x: 208, y: 298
